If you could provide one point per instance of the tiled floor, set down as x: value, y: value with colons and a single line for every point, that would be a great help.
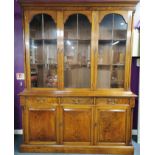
x: 18, y: 141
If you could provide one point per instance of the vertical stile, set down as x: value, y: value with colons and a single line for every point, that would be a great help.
x: 60, y: 48
x: 94, y: 49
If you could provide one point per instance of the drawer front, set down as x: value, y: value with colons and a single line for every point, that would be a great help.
x: 76, y: 100
x: 41, y: 100
x: 111, y: 101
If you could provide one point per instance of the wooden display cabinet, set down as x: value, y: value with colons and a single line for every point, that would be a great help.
x: 77, y: 96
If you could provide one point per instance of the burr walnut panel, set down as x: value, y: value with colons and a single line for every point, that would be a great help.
x: 77, y: 124
x: 111, y: 125
x: 42, y: 125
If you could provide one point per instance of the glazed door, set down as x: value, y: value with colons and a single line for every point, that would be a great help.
x: 112, y: 124
x: 77, y: 49
x: 76, y: 125
x: 112, y: 58
x: 42, y: 122
x: 41, y: 43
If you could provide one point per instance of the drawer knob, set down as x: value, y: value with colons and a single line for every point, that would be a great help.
x: 41, y: 100
x: 76, y: 100
x: 111, y: 101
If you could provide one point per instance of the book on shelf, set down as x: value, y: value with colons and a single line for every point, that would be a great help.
x: 104, y: 54
x: 77, y: 77
x: 103, y: 78
x: 50, y: 52
x: 117, y: 75
x: 120, y: 34
x: 119, y: 54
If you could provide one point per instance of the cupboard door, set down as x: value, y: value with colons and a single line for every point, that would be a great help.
x: 76, y: 124
x: 41, y: 52
x: 112, y: 47
x: 42, y: 124
x: 77, y: 49
x: 111, y: 125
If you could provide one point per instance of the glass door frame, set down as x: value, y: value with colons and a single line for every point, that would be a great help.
x: 66, y: 15
x: 28, y: 16
x: 127, y: 16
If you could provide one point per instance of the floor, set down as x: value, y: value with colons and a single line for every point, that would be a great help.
x: 18, y: 141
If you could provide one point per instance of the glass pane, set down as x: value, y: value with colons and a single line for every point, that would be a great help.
x: 111, y: 56
x: 77, y: 36
x: 43, y: 51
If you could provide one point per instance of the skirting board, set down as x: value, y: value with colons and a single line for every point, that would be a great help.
x: 20, y: 132
x: 134, y: 132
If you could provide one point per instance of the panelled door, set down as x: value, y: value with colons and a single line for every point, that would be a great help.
x: 42, y: 121
x: 112, y: 124
x: 76, y: 124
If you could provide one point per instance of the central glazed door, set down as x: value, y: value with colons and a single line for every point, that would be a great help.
x: 77, y: 67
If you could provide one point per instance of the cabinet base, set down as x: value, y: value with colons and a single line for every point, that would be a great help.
x: 125, y: 150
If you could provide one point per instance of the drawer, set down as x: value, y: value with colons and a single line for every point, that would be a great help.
x: 112, y: 101
x: 76, y: 100
x: 41, y: 100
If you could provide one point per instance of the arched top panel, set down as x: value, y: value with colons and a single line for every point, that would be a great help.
x: 42, y: 26
x: 87, y: 14
x: 77, y: 26
x: 122, y: 15
x: 114, y: 21
x: 32, y: 15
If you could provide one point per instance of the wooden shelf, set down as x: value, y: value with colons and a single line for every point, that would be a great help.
x: 117, y: 81
x: 103, y: 65
x: 76, y: 66
x: 114, y: 29
x: 105, y: 41
x: 118, y: 65
x: 41, y: 64
x: 46, y: 41
x: 78, y: 40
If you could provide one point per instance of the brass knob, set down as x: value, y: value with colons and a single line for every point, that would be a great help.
x: 111, y: 101
x: 41, y: 100
x: 76, y: 100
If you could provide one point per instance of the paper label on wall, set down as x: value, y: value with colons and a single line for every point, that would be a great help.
x: 20, y: 76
